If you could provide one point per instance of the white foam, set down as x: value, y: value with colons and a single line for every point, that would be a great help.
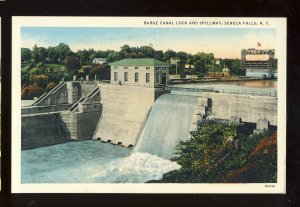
x: 136, y: 168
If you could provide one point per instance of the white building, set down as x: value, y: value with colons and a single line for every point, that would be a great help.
x: 99, y: 61
x: 146, y: 72
x: 258, y: 63
x: 189, y: 66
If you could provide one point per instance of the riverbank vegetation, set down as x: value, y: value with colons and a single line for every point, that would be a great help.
x: 43, y: 68
x: 224, y: 152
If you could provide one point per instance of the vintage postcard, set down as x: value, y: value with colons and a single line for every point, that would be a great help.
x: 148, y: 105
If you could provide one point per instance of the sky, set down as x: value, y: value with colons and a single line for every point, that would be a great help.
x: 224, y: 43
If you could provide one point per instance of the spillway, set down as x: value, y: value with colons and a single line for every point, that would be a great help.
x: 169, y: 122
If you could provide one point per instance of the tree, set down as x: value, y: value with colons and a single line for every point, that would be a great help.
x: 63, y: 50
x: 84, y: 56
x: 125, y: 49
x: 72, y: 63
x: 40, y: 80
x: 28, y: 92
x: 199, y: 157
x: 159, y: 55
x: 147, y: 51
x: 50, y: 86
x: 102, y: 72
x: 169, y: 54
x: 39, y: 54
x: 183, y: 56
x: 114, y: 56
x: 53, y: 54
x: 25, y: 55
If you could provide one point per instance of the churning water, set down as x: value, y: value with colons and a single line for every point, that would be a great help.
x: 91, y: 162
x: 95, y: 162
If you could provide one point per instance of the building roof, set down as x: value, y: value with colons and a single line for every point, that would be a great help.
x: 139, y: 62
x: 99, y: 59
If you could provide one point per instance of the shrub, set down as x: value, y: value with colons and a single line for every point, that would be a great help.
x: 28, y: 92
x: 50, y: 86
x: 221, y: 151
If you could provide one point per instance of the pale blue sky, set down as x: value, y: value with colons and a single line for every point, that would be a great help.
x: 224, y: 43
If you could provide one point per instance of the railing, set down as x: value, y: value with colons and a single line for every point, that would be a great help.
x: 247, y: 92
x: 53, y: 90
x: 205, y: 89
x: 75, y: 105
x: 228, y: 91
x: 146, y: 85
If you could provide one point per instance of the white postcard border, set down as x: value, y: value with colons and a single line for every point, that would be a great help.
x: 17, y: 187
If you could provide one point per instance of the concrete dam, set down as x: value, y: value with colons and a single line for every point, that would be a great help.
x: 132, y: 116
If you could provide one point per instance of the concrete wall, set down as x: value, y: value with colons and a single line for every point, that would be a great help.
x: 86, y: 87
x: 248, y: 108
x: 41, y: 130
x: 124, y: 112
x: 87, y: 124
x: 80, y: 126
x: 66, y: 93
x: 44, y: 109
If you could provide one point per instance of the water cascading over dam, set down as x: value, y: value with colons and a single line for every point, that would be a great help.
x: 169, y: 122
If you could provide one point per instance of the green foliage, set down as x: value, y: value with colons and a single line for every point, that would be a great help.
x: 39, y: 54
x: 72, y: 63
x: 235, y: 66
x: 221, y: 151
x: 50, y: 86
x: 30, y: 91
x: 34, y: 71
x: 50, y: 61
x: 25, y: 55
x: 40, y: 80
x: 101, y: 71
x: 200, y: 156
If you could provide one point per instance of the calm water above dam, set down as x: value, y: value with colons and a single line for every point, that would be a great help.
x: 253, y: 85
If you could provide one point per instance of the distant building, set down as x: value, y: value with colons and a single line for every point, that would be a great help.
x: 146, y: 72
x: 189, y: 66
x: 99, y: 61
x: 174, y: 61
x: 221, y: 74
x: 258, y: 63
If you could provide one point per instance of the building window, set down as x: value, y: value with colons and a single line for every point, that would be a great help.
x: 136, y: 77
x: 147, y: 77
x: 147, y: 68
x: 125, y: 76
x: 157, y: 78
x: 115, y: 67
x: 136, y: 67
x: 125, y: 67
x: 157, y: 68
x: 115, y: 76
